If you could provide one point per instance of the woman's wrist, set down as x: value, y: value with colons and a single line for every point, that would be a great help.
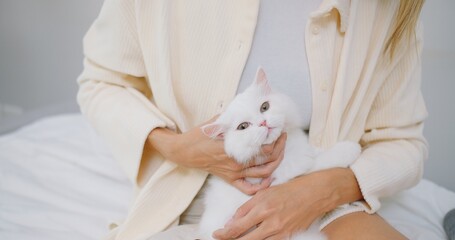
x: 344, y: 186
x: 336, y: 186
x: 164, y: 141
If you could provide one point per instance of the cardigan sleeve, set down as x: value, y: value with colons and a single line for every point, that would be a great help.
x: 113, y: 91
x: 394, y: 146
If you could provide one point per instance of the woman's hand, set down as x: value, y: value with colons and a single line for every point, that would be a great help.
x: 282, y: 210
x: 193, y: 149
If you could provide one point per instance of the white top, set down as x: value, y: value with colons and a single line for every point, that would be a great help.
x: 279, y: 47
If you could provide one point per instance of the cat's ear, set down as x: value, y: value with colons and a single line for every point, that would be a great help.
x: 213, y: 130
x: 261, y: 81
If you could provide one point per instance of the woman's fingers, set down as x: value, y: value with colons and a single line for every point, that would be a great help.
x: 273, y: 161
x: 262, y: 232
x: 260, y: 171
x: 240, y: 225
x: 235, y: 173
x: 276, y: 146
x: 277, y: 237
x: 244, y: 186
x: 270, y: 151
x: 244, y: 219
x: 246, y: 208
x: 249, y: 188
x: 265, y: 170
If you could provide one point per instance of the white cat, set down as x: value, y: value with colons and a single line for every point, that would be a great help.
x: 256, y: 117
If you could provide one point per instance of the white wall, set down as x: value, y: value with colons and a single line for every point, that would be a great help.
x: 41, y: 57
x: 439, y: 89
x: 41, y: 49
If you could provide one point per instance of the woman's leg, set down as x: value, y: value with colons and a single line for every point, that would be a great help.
x: 361, y: 225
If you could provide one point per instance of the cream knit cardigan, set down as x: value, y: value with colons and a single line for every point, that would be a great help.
x: 175, y: 64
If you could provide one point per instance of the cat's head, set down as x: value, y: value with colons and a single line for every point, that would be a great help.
x: 255, y: 117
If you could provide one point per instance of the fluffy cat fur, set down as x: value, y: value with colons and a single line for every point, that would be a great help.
x: 256, y: 117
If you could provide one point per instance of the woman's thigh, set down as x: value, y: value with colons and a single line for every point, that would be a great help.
x: 361, y: 225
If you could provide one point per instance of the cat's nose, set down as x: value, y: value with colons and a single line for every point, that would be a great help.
x: 263, y: 124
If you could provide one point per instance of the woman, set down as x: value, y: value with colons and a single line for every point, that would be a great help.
x: 156, y: 70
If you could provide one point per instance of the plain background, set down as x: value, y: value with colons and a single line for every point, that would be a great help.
x: 41, y: 57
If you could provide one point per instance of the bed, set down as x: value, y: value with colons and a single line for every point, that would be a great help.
x: 59, y: 181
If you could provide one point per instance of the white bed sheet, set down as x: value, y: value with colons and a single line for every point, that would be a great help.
x: 59, y: 181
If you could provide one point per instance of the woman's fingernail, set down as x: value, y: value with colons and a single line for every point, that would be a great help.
x: 217, y: 233
x: 267, y: 180
x: 229, y: 222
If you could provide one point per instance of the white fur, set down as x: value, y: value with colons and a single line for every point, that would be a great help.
x: 222, y: 199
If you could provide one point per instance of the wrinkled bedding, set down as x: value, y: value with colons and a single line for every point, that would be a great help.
x: 59, y: 181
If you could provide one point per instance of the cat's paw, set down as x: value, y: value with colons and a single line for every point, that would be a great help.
x: 347, y: 152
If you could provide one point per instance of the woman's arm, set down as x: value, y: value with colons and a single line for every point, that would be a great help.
x: 113, y: 93
x: 282, y: 210
x: 394, y: 145
x: 193, y: 149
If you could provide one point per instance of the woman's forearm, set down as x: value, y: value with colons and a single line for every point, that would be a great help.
x: 294, y: 205
x: 163, y: 140
x: 193, y: 149
x: 335, y: 187
x: 345, y: 186
x: 340, y: 183
x: 158, y: 139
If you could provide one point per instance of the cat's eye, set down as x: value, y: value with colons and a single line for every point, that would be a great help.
x: 243, y: 126
x: 265, y: 106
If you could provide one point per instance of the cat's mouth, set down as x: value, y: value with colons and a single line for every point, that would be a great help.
x: 269, y: 130
x: 271, y: 135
